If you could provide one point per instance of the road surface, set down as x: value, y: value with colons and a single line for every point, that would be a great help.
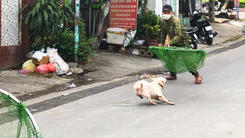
x: 214, y: 109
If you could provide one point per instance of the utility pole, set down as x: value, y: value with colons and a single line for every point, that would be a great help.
x: 209, y: 9
x: 211, y: 12
x: 237, y: 5
x: 77, y: 5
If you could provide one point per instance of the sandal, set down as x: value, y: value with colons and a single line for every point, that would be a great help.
x: 198, y: 80
x: 171, y: 78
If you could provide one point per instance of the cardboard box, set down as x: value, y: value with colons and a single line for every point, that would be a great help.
x: 45, y: 60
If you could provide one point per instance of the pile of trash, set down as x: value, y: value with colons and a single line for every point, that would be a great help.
x: 42, y: 63
x: 148, y: 76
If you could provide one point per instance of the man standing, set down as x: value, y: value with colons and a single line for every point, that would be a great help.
x: 174, y: 34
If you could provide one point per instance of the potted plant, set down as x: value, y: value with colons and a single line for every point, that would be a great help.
x: 153, y: 34
x: 149, y: 27
x: 85, y: 51
x: 66, y: 46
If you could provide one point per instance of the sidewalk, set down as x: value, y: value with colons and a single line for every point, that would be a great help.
x: 226, y: 32
x: 109, y: 66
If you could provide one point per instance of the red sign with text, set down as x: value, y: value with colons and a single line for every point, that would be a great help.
x: 123, y: 13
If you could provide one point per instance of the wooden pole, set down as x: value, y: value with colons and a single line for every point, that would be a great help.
x: 209, y: 9
x: 213, y: 14
x: 90, y: 20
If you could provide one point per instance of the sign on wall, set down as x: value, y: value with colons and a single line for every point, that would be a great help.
x: 123, y: 14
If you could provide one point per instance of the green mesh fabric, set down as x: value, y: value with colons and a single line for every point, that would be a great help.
x: 180, y: 60
x: 14, y: 120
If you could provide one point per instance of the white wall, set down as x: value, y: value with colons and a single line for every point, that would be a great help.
x: 174, y: 4
x: 158, y: 6
x: 10, y: 27
x: 155, y: 5
x: 151, y: 5
x: 167, y: 2
x: 198, y: 4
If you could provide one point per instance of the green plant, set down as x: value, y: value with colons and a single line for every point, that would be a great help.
x: 149, y: 25
x: 46, y: 15
x: 65, y: 39
x: 153, y: 31
x: 242, y: 4
x: 85, y: 50
x: 142, y: 4
x: 233, y: 38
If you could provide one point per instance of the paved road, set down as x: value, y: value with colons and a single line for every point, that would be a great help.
x: 214, y: 109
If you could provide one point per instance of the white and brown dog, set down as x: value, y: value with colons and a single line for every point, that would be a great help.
x: 151, y: 90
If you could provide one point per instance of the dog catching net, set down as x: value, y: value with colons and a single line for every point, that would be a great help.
x: 179, y: 60
x: 15, y: 121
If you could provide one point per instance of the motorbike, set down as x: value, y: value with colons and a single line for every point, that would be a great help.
x: 192, y: 33
x: 206, y: 6
x: 222, y: 7
x: 204, y: 32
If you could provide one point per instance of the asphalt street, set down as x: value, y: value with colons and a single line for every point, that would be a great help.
x: 214, y: 109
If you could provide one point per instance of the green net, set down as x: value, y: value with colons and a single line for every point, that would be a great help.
x: 180, y: 60
x: 14, y: 120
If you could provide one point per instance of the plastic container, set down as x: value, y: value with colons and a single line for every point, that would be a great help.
x: 115, y: 35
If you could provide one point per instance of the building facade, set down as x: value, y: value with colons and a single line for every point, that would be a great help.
x: 14, y: 42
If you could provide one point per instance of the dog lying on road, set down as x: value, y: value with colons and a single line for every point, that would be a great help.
x: 151, y: 90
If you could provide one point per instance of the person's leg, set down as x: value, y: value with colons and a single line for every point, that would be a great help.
x: 197, y: 76
x: 173, y: 76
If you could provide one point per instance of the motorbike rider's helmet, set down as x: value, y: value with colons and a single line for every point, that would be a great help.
x: 195, y: 13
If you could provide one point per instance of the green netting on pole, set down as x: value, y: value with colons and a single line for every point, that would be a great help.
x: 14, y: 120
x: 180, y: 60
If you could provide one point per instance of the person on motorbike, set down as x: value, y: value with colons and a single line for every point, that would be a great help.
x: 174, y: 34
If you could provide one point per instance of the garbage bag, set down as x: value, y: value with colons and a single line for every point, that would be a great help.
x: 61, y: 67
x: 51, y: 67
x: 23, y: 71
x: 129, y: 38
x: 42, y: 69
x: 28, y: 65
x: 39, y: 55
x: 179, y: 60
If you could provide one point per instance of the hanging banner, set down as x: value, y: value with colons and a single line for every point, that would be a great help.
x: 123, y: 14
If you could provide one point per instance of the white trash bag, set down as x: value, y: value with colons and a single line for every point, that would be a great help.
x: 129, y: 38
x: 39, y: 55
x: 61, y: 67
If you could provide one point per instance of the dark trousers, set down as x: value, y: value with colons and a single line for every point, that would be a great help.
x: 194, y: 73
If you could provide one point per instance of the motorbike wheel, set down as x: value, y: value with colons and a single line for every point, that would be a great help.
x: 193, y: 44
x: 209, y: 41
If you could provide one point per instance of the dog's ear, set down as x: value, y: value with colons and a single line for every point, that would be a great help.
x: 164, y: 80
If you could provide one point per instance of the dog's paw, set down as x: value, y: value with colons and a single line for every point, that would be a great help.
x: 171, y: 103
x: 154, y: 104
